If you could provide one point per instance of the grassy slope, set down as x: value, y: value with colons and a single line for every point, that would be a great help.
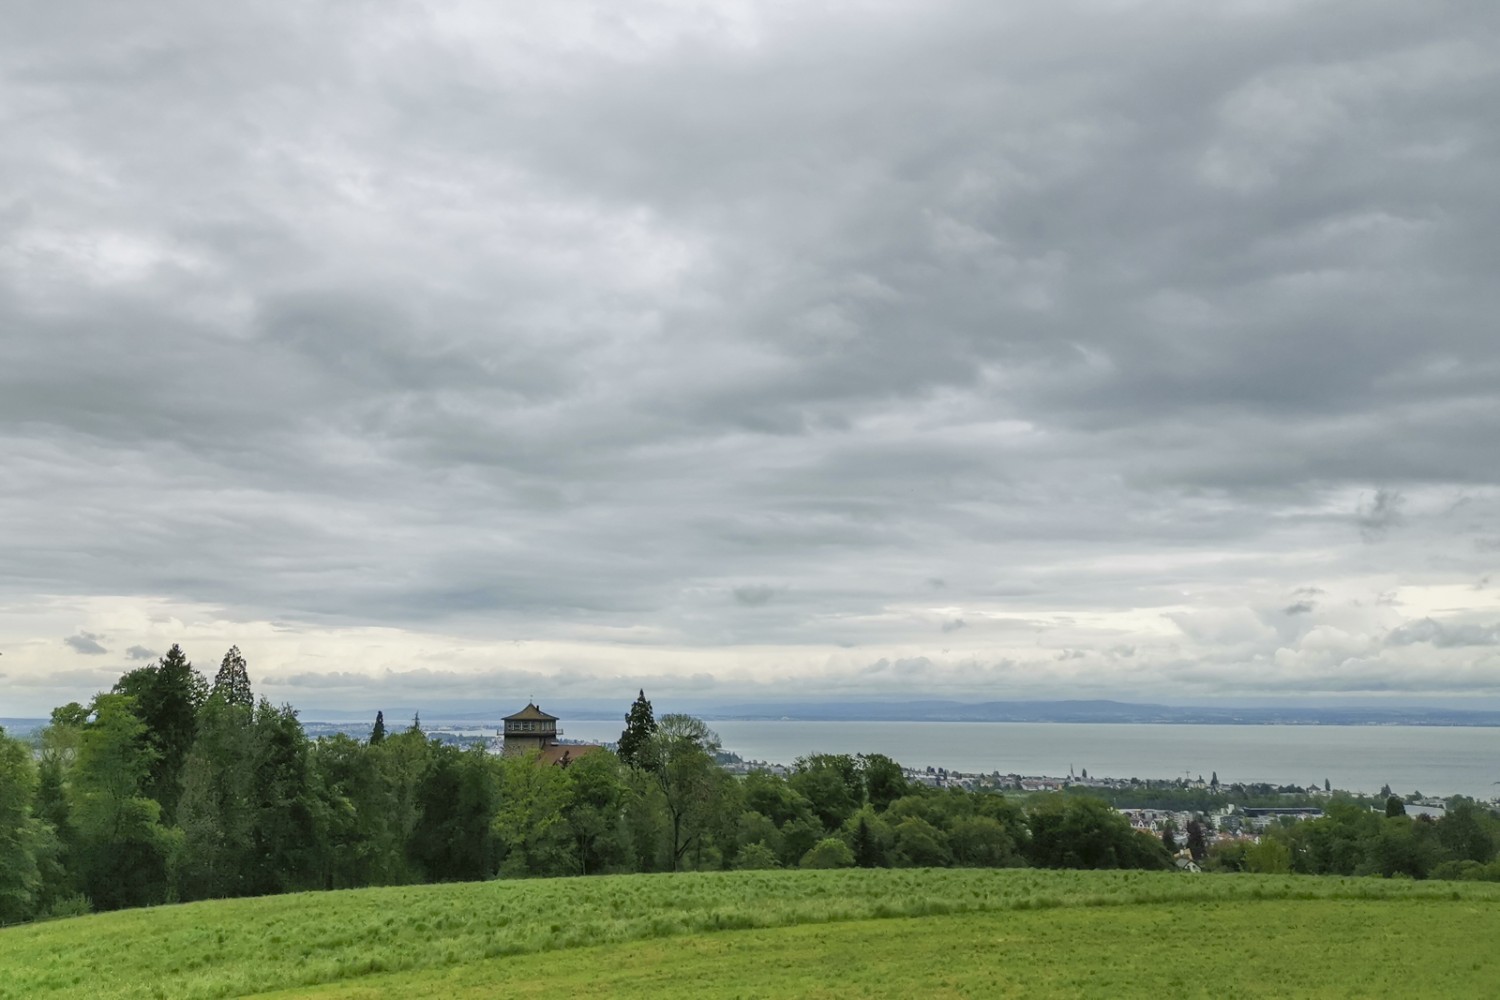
x: 1256, y: 949
x: 446, y: 940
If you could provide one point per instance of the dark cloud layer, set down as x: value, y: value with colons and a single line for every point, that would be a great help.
x: 86, y: 643
x: 779, y: 340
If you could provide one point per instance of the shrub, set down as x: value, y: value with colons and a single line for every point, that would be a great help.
x: 830, y: 852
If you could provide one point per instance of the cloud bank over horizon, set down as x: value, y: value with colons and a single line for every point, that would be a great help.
x: 753, y: 350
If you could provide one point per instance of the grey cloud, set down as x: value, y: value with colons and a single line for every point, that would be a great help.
x: 140, y: 653
x: 85, y: 682
x: 1379, y: 514
x: 754, y: 596
x: 86, y: 643
x: 1300, y: 608
x: 954, y: 625
x: 530, y: 331
x: 1445, y: 634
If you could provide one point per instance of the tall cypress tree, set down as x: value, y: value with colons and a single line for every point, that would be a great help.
x: 640, y: 723
x: 377, y: 735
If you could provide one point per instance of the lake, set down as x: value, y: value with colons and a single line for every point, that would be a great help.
x: 1436, y: 760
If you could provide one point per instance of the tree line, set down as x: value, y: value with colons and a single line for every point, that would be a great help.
x: 1353, y: 839
x: 170, y: 787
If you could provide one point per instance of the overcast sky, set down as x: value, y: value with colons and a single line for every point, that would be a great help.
x: 472, y: 352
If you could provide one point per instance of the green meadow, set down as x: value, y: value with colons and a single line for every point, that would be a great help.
x: 849, y: 933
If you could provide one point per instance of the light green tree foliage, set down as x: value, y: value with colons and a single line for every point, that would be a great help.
x: 359, y: 845
x: 754, y: 857
x: 830, y: 852
x: 1466, y: 832
x: 531, y: 823
x: 1401, y: 847
x: 21, y: 833
x: 798, y: 827
x: 920, y: 844
x: 216, y: 812
x: 798, y: 836
x: 594, y: 812
x: 59, y: 752
x: 983, y: 842
x: 404, y: 761
x: 984, y: 831
x: 757, y: 828
x: 123, y: 849
x: 1269, y: 856
x: 645, y: 818
x: 719, y: 842
x: 774, y: 798
x: 1334, y: 844
x: 679, y: 757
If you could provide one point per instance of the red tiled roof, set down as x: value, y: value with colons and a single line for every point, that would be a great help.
x: 564, y: 754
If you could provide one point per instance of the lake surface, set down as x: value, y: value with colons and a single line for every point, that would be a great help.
x: 1436, y: 760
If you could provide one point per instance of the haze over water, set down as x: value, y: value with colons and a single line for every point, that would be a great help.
x: 1436, y: 760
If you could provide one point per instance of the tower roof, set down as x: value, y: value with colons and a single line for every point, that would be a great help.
x: 530, y: 712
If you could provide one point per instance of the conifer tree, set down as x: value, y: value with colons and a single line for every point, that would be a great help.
x: 640, y: 724
x: 867, y: 853
x: 377, y: 735
x: 1197, y: 840
x: 233, y: 680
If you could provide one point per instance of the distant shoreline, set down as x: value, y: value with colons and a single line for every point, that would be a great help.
x: 1172, y: 717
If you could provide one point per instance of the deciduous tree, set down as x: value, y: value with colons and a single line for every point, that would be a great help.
x: 21, y: 833
x: 531, y: 823
x: 679, y: 757
x: 216, y: 812
x: 123, y: 847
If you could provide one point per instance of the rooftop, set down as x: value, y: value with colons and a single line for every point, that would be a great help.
x: 530, y: 712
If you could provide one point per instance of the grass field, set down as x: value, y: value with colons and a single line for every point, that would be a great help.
x: 945, y: 933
